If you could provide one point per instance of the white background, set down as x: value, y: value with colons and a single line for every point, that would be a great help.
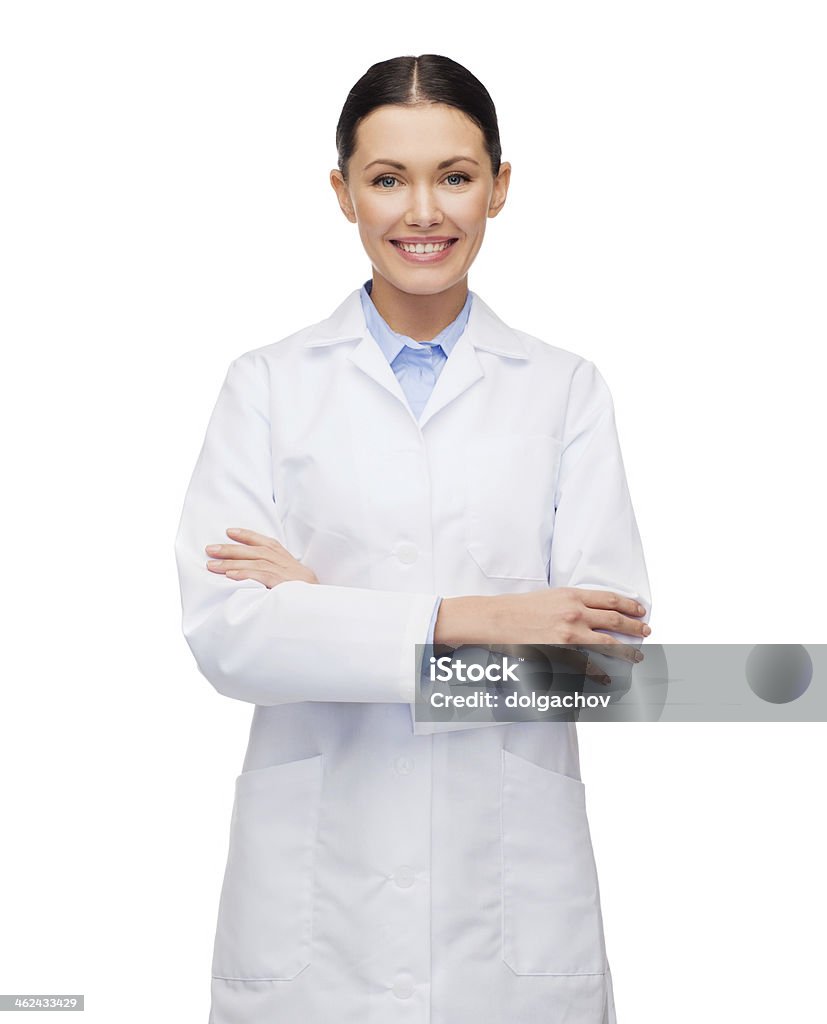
x: 166, y: 207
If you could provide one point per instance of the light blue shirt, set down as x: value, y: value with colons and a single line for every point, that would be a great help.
x: 416, y: 364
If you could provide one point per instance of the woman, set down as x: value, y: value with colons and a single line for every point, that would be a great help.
x: 408, y: 469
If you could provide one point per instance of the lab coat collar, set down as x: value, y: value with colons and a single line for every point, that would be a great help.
x: 484, y: 330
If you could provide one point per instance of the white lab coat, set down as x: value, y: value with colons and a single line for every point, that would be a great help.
x: 382, y: 870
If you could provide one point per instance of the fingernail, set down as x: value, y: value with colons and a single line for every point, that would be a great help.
x: 211, y: 549
x: 646, y: 630
x: 638, y: 656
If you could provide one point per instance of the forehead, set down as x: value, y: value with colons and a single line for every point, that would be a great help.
x: 417, y: 134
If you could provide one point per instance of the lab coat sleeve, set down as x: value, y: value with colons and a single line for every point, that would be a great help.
x: 297, y: 641
x: 428, y: 649
x: 596, y: 543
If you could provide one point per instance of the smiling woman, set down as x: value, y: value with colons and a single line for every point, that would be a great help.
x: 426, y: 204
x: 408, y: 471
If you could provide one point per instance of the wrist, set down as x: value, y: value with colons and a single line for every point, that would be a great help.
x: 466, y: 620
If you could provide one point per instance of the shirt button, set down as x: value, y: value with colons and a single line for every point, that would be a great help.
x: 403, y: 765
x: 402, y: 987
x: 404, y: 876
x: 407, y: 553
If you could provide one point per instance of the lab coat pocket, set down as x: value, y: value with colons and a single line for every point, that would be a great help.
x: 265, y: 913
x: 510, y: 482
x: 551, y: 921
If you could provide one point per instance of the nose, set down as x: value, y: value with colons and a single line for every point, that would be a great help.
x: 424, y: 209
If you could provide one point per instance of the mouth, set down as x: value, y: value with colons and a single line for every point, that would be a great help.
x: 426, y: 251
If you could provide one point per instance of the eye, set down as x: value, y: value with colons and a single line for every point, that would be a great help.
x: 383, y: 178
x: 458, y: 174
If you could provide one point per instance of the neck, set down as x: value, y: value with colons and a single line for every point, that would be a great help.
x: 420, y: 317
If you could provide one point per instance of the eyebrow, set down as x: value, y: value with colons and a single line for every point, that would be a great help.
x: 445, y: 163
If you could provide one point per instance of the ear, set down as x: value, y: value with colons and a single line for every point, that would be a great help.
x: 342, y: 194
x: 501, y: 183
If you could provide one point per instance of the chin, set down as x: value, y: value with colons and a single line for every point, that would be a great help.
x: 419, y: 283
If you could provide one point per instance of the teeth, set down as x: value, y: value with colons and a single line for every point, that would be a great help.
x: 423, y: 248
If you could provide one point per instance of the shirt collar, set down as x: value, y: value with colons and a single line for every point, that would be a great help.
x: 485, y: 331
x: 392, y: 343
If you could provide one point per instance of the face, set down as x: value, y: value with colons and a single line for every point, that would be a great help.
x: 421, y: 174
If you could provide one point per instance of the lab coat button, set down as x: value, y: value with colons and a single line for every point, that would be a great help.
x: 407, y: 553
x: 404, y: 876
x: 403, y: 765
x: 402, y: 987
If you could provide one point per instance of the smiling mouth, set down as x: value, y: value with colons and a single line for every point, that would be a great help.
x: 423, y: 247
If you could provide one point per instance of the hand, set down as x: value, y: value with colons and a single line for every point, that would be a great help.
x: 575, y: 658
x: 523, y: 624
x: 572, y: 615
x: 257, y: 557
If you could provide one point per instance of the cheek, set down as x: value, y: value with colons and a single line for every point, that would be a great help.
x: 375, y: 224
x: 470, y: 213
x: 370, y: 215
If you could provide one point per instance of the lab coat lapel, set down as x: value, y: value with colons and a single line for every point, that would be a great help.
x: 458, y: 374
x: 371, y: 360
x: 484, y: 331
x: 347, y: 323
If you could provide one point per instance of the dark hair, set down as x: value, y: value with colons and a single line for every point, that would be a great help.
x: 429, y: 78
